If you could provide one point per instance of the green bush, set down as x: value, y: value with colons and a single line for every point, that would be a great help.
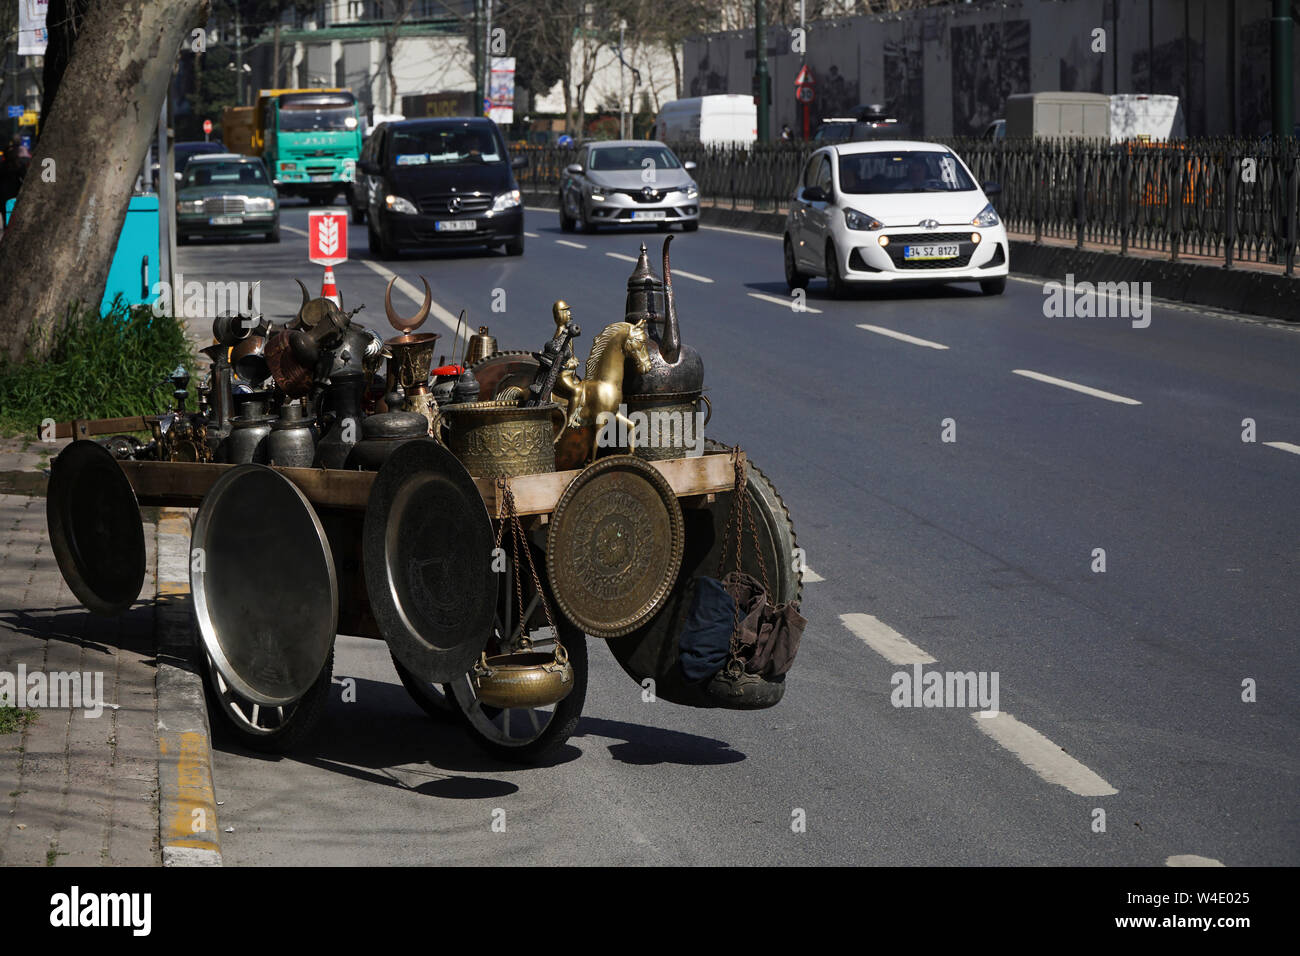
x: 101, y: 366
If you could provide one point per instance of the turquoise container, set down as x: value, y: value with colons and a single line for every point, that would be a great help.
x: 135, y: 264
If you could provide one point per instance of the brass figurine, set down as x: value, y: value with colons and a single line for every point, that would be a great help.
x: 594, y: 399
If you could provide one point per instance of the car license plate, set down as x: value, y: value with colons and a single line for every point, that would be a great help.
x: 225, y: 220
x: 456, y: 225
x: 931, y: 252
x: 321, y: 178
x: 649, y: 214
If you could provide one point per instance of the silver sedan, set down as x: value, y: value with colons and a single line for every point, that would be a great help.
x: 628, y: 182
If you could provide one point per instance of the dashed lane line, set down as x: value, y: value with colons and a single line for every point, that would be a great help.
x: 777, y: 300
x: 884, y: 640
x: 904, y: 337
x: 1191, y: 859
x: 415, y: 294
x: 676, y: 272
x: 1076, y: 387
x: 1040, y: 755
x: 532, y: 235
x: 811, y: 577
x: 1284, y: 446
x: 566, y: 242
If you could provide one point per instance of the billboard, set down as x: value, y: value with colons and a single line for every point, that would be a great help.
x: 501, y: 90
x: 32, y: 34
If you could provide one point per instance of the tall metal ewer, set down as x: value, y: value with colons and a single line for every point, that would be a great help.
x: 410, y: 359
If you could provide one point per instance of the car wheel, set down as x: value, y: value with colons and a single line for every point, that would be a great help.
x: 993, y: 286
x: 691, y: 225
x: 358, y: 216
x: 515, y: 247
x: 274, y: 234
x: 567, y: 223
x: 182, y: 239
x: 834, y: 281
x: 794, y: 279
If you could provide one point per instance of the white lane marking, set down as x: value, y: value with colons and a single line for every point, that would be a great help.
x: 532, y: 235
x: 566, y: 242
x: 1284, y: 446
x: 301, y: 232
x: 903, y: 337
x: 1191, y: 859
x: 1075, y: 386
x: 743, y: 232
x: 810, y: 576
x: 676, y: 272
x: 885, y: 641
x: 415, y: 294
x: 1042, y: 756
x: 777, y: 300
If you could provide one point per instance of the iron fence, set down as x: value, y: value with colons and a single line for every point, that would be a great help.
x: 1233, y: 199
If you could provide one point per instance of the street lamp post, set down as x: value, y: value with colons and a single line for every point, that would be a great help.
x: 760, y: 70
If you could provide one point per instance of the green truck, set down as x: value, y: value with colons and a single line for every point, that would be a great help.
x: 309, y: 139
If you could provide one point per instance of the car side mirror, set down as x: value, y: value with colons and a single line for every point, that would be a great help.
x: 178, y: 176
x: 991, y: 189
x: 815, y: 194
x: 519, y: 162
x: 689, y: 166
x: 573, y: 169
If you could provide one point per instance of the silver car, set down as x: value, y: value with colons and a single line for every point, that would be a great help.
x: 628, y: 182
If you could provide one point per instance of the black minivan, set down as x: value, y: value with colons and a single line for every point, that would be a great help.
x: 439, y: 182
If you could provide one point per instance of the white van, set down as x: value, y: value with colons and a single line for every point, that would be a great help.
x: 726, y: 118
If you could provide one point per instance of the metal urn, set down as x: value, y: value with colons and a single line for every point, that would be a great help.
x: 675, y: 367
x: 410, y: 360
x: 292, y: 442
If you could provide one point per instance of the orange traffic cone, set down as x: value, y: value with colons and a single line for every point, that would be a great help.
x: 328, y: 289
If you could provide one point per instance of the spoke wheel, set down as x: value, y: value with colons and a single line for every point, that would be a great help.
x: 270, y: 729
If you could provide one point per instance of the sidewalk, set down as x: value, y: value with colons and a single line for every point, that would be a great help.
x: 131, y: 785
x: 76, y: 789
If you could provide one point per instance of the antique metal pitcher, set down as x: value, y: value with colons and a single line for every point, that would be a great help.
x: 675, y: 367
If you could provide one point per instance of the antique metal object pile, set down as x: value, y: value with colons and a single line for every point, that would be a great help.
x: 482, y: 517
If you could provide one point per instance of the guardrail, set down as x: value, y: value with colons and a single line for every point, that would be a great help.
x: 1234, y: 199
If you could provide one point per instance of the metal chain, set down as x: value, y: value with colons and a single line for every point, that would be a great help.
x: 521, y: 543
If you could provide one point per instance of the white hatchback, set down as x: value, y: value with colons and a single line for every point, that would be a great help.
x: 893, y: 212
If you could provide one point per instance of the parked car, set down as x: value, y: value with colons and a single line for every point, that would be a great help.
x: 881, y: 212
x: 628, y: 182
x: 995, y: 130
x: 866, y: 122
x: 439, y: 182
x: 223, y: 195
x: 183, y: 152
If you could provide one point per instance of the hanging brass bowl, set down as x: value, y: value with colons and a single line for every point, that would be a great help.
x: 526, y: 679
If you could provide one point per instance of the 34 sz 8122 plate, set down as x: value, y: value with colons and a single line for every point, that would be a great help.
x: 456, y: 225
x: 951, y: 251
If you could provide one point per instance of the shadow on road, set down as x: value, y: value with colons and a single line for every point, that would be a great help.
x: 646, y: 746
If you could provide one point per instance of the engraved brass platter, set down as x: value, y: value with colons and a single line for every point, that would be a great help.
x: 614, y: 546
x: 95, y: 528
x: 427, y: 552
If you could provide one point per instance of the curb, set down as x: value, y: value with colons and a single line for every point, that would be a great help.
x: 187, y: 803
x: 1240, y: 291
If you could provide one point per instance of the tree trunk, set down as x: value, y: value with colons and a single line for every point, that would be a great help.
x: 64, y: 19
x: 63, y: 234
x: 275, y: 58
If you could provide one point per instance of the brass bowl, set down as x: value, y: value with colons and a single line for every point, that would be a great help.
x: 527, y: 679
x: 503, y: 439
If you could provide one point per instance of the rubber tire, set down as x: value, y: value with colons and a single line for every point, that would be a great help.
x: 303, y: 721
x: 358, y: 216
x: 515, y: 247
x: 993, y: 286
x: 794, y: 279
x: 691, y: 225
x: 567, y: 712
x: 274, y: 234
x: 435, y: 704
x: 834, y: 284
x: 567, y: 223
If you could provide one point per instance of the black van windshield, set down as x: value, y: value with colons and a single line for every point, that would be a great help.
x: 443, y: 146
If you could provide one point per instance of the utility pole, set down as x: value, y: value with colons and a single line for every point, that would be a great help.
x: 478, y: 59
x: 239, y: 60
x: 760, y: 69
x: 487, y: 57
x: 622, y: 90
x: 1283, y: 115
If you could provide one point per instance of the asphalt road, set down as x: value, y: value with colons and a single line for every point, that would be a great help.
x: 1121, y: 691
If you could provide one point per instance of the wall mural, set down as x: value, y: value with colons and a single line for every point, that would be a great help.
x: 1170, y: 77
x: 996, y: 56
x: 836, y: 94
x: 905, y: 82
x: 1254, y: 110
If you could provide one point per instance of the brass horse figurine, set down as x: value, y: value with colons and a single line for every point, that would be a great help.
x: 593, y: 399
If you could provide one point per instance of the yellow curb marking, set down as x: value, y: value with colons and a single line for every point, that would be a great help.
x: 195, y: 793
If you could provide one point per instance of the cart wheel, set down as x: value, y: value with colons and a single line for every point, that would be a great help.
x: 526, y: 734
x: 266, y: 728
x: 432, y: 698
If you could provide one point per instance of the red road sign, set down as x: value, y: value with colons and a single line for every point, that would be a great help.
x: 327, y: 237
x: 207, y: 126
x: 805, y: 85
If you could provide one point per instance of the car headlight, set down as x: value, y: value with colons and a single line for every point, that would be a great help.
x: 398, y: 204
x: 987, y: 217
x: 597, y: 194
x: 860, y: 220
x: 288, y: 165
x: 506, y: 201
x: 189, y: 205
x: 259, y: 204
x: 692, y: 191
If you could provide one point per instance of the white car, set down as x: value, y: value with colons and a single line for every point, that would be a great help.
x: 900, y: 211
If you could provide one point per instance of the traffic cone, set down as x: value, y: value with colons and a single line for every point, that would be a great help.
x: 328, y: 289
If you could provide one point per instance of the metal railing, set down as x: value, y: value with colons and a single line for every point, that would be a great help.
x: 1232, y: 199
